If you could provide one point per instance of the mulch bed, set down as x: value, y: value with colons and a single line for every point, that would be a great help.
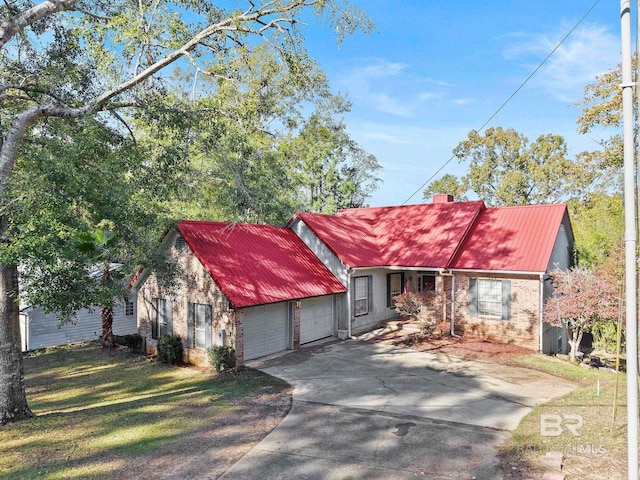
x: 405, y: 334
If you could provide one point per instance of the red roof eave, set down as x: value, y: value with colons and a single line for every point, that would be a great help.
x: 241, y: 260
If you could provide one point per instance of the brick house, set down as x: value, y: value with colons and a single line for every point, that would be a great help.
x: 264, y: 289
x: 490, y: 266
x: 254, y: 287
x: 509, y: 252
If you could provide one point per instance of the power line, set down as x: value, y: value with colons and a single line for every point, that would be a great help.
x: 504, y: 104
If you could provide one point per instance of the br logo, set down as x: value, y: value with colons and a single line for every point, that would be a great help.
x: 552, y: 425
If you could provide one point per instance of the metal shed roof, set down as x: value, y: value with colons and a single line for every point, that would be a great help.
x: 258, y: 264
x: 512, y: 239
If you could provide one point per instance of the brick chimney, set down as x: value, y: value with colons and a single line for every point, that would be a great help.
x: 443, y: 198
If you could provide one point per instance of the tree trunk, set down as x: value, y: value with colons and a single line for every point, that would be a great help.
x: 579, y: 340
x: 13, y: 399
x: 106, y: 314
x: 574, y: 342
x: 106, y: 311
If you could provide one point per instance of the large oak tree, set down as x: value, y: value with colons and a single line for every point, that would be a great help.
x: 505, y: 169
x: 104, y: 59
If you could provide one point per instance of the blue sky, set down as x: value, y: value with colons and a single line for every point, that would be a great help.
x: 434, y: 70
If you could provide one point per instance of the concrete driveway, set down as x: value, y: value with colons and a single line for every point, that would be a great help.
x: 376, y: 411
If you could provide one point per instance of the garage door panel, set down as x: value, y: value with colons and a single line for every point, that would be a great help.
x: 266, y: 330
x: 316, y: 319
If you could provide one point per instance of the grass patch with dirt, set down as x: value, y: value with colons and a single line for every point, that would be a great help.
x: 580, y: 425
x: 122, y: 416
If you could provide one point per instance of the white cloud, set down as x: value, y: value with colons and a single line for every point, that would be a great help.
x: 394, y: 106
x: 379, y: 136
x: 382, y: 68
x: 440, y: 83
x: 421, y: 141
x: 427, y: 96
x: 590, y: 51
x: 389, y: 87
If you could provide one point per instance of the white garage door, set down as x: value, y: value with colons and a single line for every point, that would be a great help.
x: 316, y: 319
x: 266, y: 330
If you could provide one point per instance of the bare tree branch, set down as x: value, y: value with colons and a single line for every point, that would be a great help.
x: 5, y: 207
x: 126, y: 125
x: 93, y: 15
x: 25, y: 119
x: 10, y: 27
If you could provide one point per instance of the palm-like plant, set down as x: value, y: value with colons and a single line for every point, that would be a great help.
x: 101, y: 247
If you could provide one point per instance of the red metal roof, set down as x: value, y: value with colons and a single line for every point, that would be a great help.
x: 425, y: 235
x: 511, y: 239
x: 350, y: 239
x: 258, y: 264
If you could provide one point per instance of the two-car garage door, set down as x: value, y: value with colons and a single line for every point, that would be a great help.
x: 268, y: 329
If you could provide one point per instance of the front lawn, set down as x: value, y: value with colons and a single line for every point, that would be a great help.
x: 580, y: 425
x: 122, y: 416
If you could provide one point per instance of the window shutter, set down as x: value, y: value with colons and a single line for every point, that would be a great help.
x: 370, y: 295
x: 352, y: 313
x: 473, y: 297
x: 190, y: 324
x: 208, y: 327
x: 154, y: 318
x: 169, y: 316
x: 389, y: 301
x: 506, y: 299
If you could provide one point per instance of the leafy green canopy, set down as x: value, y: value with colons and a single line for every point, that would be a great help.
x: 250, y: 149
x: 78, y: 178
x: 145, y: 145
x: 332, y: 172
x: 99, y: 63
x: 72, y: 58
x: 505, y: 169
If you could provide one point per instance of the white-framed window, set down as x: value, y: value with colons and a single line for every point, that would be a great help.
x: 490, y: 297
x: 361, y: 296
x: 199, y: 326
x: 395, y: 284
x: 203, y: 317
x: 161, y: 323
x: 426, y: 283
x: 129, y: 308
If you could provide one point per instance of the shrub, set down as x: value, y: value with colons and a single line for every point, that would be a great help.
x: 170, y: 349
x: 134, y: 342
x: 409, y: 304
x: 605, y: 337
x: 222, y: 358
x: 425, y: 307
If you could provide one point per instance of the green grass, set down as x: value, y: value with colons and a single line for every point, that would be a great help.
x: 600, y: 449
x: 95, y: 412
